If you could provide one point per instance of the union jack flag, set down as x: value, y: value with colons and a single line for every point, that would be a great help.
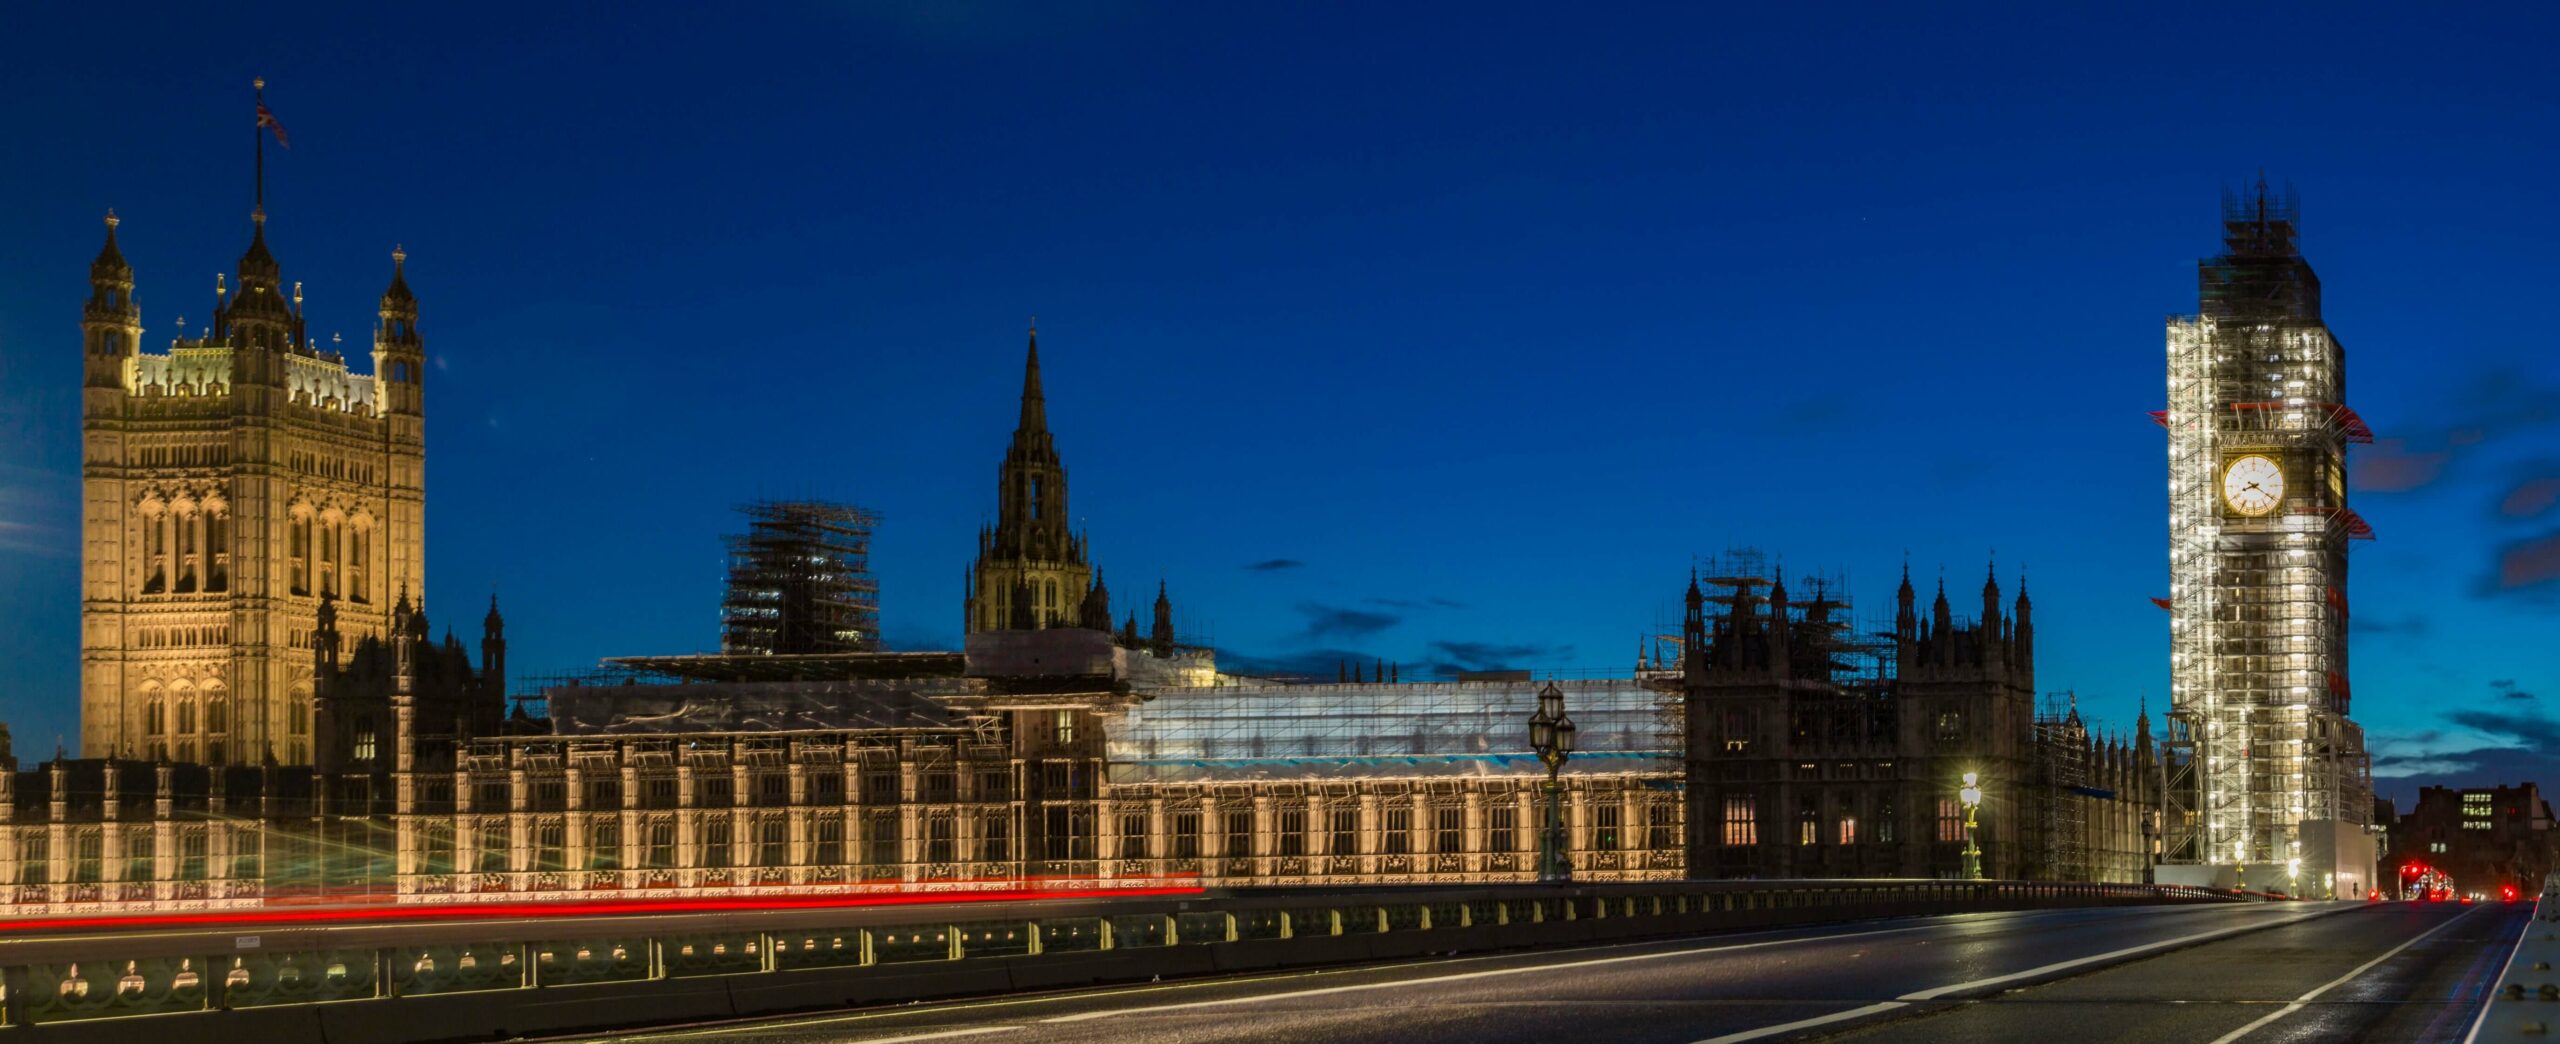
x: 268, y: 120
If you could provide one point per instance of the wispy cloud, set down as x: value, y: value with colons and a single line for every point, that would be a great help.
x: 1454, y: 656
x: 1413, y: 603
x: 1274, y: 565
x: 1332, y: 621
x: 2507, y: 690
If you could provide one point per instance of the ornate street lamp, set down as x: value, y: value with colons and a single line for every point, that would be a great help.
x: 1551, y: 735
x: 1971, y: 795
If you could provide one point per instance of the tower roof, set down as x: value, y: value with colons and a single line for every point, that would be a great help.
x: 397, y: 297
x: 258, y: 262
x: 1035, y: 409
x: 111, y: 264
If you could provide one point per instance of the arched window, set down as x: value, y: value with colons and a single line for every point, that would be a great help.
x: 216, y: 712
x: 155, y: 716
x: 1049, y: 596
x: 1035, y: 496
x: 186, y: 715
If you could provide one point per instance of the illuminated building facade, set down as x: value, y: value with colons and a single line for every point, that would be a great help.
x: 229, y: 486
x: 2269, y: 775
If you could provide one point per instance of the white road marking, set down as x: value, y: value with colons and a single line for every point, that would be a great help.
x: 2332, y: 984
x: 1877, y: 1008
x: 734, y: 1026
x: 2100, y: 958
x: 1940, y: 991
x: 1463, y: 976
x: 938, y: 1035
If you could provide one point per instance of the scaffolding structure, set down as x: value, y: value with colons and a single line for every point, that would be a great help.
x: 2062, y: 796
x: 1358, y: 728
x: 2259, y: 741
x: 800, y: 581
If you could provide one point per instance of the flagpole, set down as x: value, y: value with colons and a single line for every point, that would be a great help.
x: 258, y: 131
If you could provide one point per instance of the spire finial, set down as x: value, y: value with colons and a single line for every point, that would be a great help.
x: 1035, y: 409
x: 112, y: 220
x: 400, y: 255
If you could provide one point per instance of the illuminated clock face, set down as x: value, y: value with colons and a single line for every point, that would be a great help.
x: 2253, y: 485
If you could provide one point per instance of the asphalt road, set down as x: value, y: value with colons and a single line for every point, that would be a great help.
x: 2393, y: 972
x: 2157, y: 973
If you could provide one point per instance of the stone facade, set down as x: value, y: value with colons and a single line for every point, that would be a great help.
x: 1812, y: 752
x: 230, y: 485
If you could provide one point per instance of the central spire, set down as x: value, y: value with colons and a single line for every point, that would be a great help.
x: 1035, y: 410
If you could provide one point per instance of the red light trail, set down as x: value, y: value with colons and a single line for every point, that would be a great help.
x: 477, y: 911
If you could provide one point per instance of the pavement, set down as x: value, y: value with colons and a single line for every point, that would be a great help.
x: 2273, y: 972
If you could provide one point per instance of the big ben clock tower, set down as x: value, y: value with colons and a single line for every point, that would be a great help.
x: 2273, y: 777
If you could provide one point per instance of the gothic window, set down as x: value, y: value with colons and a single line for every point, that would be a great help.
x: 1133, y: 835
x: 772, y: 842
x: 1065, y: 724
x: 155, y: 552
x: 826, y: 844
x: 992, y: 830
x: 1346, y: 833
x: 35, y: 858
x: 1293, y: 832
x: 883, y: 835
x: 1502, y: 832
x: 1396, y: 839
x: 217, y: 717
x: 298, y: 718
x: 435, y: 847
x: 493, y: 846
x: 214, y: 751
x: 155, y: 716
x: 1741, y: 820
x: 1950, y: 821
x: 1605, y: 834
x: 1186, y: 835
x: 217, y: 552
x: 1662, y: 825
x: 328, y: 560
x: 1950, y: 725
x: 186, y: 526
x: 1809, y: 821
x: 1885, y: 817
x: 364, y: 750
x: 1049, y: 596
x: 138, y: 855
x: 298, y: 544
x: 1239, y: 841
x: 1035, y: 496
x: 938, y: 831
x: 550, y: 845
x: 358, y: 550
x: 1848, y: 829
x: 1449, y: 830
x: 186, y: 714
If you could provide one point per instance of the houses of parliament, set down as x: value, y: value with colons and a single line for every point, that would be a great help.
x: 265, y: 707
x: 235, y: 488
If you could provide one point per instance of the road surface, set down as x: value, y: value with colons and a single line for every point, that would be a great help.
x: 2271, y: 972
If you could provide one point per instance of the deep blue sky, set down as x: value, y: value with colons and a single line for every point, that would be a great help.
x: 1487, y: 318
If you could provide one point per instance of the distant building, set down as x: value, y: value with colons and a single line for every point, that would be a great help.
x: 2482, y: 837
x: 229, y: 485
x: 1813, y: 750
